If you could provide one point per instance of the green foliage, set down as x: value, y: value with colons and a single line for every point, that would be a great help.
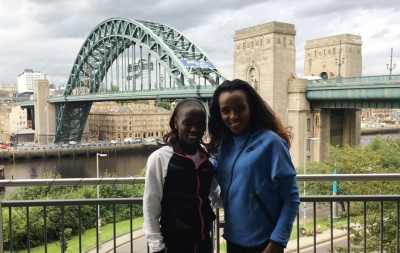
x: 164, y: 105
x: 142, y: 172
x: 114, y: 88
x: 120, y: 191
x: 380, y: 156
x: 41, y: 192
x: 54, y: 214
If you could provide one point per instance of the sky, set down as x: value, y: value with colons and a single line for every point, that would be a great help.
x: 46, y: 35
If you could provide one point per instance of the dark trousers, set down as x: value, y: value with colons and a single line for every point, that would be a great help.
x: 178, y: 244
x: 234, y: 248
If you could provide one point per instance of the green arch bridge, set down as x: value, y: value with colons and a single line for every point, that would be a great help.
x: 124, y: 59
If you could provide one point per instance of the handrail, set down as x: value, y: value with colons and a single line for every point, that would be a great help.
x: 71, y: 181
x: 348, y: 177
x: 349, y: 198
x: 141, y: 180
x: 71, y: 202
x: 330, y: 199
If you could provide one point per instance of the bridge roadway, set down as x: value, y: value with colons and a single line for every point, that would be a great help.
x: 361, y: 90
x: 150, y: 94
x: 355, y: 92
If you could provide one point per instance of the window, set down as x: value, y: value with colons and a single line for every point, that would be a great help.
x: 309, y: 144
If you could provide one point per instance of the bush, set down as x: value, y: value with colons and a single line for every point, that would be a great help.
x: 54, y: 214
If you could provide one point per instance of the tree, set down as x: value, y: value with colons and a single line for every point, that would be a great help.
x: 114, y: 88
x: 164, y: 105
x: 54, y: 214
x: 380, y: 156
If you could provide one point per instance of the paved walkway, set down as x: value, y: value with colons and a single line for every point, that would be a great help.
x: 123, y: 245
x: 308, y: 241
x: 139, y: 245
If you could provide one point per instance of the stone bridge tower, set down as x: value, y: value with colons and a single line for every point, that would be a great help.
x: 45, y: 114
x: 322, y: 56
x: 338, y: 56
x: 265, y: 57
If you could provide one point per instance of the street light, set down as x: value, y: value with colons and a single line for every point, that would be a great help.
x: 98, y: 196
x: 391, y: 66
x: 306, y: 139
x: 339, y: 61
x: 334, y: 192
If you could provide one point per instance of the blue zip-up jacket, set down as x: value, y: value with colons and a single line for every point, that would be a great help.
x: 260, y: 193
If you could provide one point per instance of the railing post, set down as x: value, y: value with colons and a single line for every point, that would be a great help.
x: 1, y: 228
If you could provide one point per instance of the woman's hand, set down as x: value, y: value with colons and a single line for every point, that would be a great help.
x: 273, y: 247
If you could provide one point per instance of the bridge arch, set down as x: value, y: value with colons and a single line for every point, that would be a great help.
x: 180, y: 57
x: 125, y: 55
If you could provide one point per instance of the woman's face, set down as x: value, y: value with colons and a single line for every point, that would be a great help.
x: 191, y: 124
x: 235, y: 111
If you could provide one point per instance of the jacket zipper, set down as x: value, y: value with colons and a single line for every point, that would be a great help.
x: 196, y: 167
x: 263, y: 208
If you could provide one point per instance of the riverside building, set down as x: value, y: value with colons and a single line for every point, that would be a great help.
x: 27, y: 78
x: 110, y: 121
x: 13, y: 118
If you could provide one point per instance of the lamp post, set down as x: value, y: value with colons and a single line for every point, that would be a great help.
x: 161, y: 82
x: 98, y: 196
x: 334, y: 192
x: 390, y: 67
x: 339, y: 61
x: 306, y: 139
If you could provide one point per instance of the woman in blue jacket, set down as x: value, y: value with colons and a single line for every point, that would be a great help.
x: 254, y: 170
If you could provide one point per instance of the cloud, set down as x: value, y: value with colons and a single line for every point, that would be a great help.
x: 46, y: 35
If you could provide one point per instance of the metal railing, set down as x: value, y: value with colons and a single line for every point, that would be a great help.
x: 62, y: 205
x: 355, y: 81
x: 300, y: 241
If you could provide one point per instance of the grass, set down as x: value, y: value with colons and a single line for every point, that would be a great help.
x: 89, y: 237
x: 323, y: 223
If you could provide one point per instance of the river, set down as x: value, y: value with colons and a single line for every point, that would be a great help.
x: 365, y: 139
x: 123, y: 164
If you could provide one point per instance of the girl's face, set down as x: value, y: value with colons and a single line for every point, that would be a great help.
x: 235, y: 111
x: 191, y: 124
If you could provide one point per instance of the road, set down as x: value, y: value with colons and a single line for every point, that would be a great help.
x: 139, y: 246
x: 326, y: 246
